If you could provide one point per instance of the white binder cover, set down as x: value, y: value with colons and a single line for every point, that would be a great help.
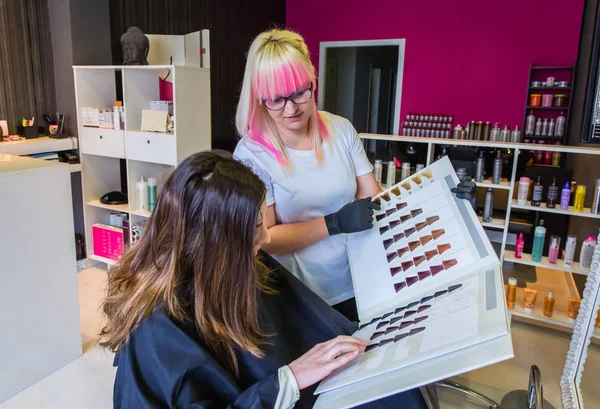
x: 427, y: 283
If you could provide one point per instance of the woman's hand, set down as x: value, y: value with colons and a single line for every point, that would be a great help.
x: 352, y: 218
x: 324, y: 358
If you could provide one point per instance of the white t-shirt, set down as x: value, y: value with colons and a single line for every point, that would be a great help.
x: 311, y: 191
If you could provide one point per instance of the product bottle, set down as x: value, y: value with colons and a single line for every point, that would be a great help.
x: 391, y: 174
x: 456, y: 134
x: 538, y: 242
x: 378, y: 170
x: 547, y: 158
x: 505, y: 134
x: 553, y: 249
x: 480, y: 172
x: 116, y: 117
x: 486, y: 131
x: 515, y: 135
x: 141, y: 197
x: 538, y: 189
x: 551, y: 127
x: 560, y: 125
x: 478, y: 131
x: 573, y: 190
x: 596, y: 203
x: 565, y: 195
x: 549, y: 305
x: 495, y: 133
x: 523, y: 191
x: 556, y: 158
x: 579, y: 198
x: 587, y: 252
x: 552, y: 195
x: 151, y: 193
x: 545, y: 127
x: 497, y: 171
x: 570, y: 250
x: 405, y: 170
x: 538, y: 127
x: 511, y: 293
x: 530, y: 124
x: 520, y: 245
x: 489, y: 205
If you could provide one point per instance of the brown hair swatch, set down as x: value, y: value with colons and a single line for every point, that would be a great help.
x: 443, y: 247
x: 426, y: 239
x: 438, y: 233
x: 399, y: 286
x: 448, y: 264
x: 431, y: 254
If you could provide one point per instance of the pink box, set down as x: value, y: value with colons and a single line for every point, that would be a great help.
x: 108, y: 241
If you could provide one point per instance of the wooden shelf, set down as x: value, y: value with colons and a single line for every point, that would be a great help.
x: 504, y: 184
x: 141, y: 213
x: 541, y: 107
x: 102, y: 259
x: 495, y: 223
x: 557, y: 210
x: 124, y: 208
x: 526, y: 260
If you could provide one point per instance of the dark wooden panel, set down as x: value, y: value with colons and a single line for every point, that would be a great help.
x: 232, y: 24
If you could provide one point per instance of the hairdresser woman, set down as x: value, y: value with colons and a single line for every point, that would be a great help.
x: 197, y: 328
x: 312, y: 163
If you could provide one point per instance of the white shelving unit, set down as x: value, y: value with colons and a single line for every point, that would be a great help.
x: 105, y: 152
x: 502, y: 224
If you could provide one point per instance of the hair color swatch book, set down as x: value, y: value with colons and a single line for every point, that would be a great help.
x: 426, y: 278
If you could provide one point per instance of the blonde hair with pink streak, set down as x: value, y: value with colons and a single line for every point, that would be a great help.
x: 278, y: 65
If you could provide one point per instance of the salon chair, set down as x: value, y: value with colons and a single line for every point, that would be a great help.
x: 521, y: 399
x: 431, y: 397
x: 533, y: 398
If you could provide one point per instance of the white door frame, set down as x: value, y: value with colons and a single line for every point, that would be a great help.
x: 400, y: 43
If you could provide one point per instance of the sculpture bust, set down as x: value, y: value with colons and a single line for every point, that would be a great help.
x: 135, y: 46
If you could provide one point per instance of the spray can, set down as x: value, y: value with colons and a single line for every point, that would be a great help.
x: 480, y: 173
x: 596, y: 203
x: 489, y: 203
x: 565, y: 195
x: 391, y: 174
x: 378, y: 170
x: 405, y: 170
x: 478, y: 131
x: 497, y: 173
x: 419, y: 167
x: 570, y: 250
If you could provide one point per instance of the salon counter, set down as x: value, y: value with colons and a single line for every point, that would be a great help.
x: 39, y: 308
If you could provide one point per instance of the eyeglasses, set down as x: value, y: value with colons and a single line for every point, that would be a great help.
x: 300, y: 97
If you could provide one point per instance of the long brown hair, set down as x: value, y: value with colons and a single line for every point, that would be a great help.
x: 198, y: 250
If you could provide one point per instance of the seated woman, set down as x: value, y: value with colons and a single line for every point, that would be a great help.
x: 198, y: 321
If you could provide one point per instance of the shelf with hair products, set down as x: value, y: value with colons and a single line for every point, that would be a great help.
x: 124, y: 168
x: 499, y: 226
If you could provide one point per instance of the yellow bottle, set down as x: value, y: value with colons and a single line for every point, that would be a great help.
x: 511, y: 293
x: 579, y: 198
x: 549, y: 305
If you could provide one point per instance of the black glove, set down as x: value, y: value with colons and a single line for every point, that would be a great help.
x: 466, y: 190
x: 354, y: 217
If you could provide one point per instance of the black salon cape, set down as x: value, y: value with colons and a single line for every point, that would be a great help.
x: 166, y: 364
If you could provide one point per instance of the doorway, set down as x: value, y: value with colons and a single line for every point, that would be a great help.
x: 362, y: 81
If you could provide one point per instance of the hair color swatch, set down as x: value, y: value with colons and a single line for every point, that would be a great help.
x: 426, y: 239
x: 443, y: 247
x: 448, y: 264
x: 388, y: 243
x: 423, y: 274
x: 409, y: 231
x: 402, y: 251
x: 398, y: 237
x: 413, y: 245
x: 431, y: 254
x: 399, y: 286
x: 416, y: 212
x: 384, y: 229
x: 437, y: 233
x: 432, y: 219
x: 395, y: 270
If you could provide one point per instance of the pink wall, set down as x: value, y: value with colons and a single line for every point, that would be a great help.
x: 469, y: 57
